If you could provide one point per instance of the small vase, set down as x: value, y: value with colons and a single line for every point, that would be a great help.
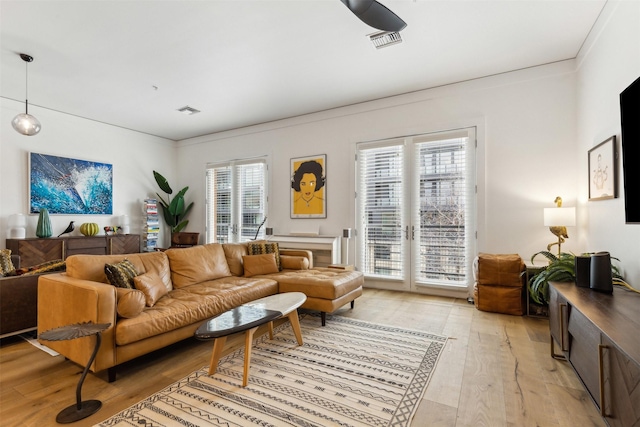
x: 43, y: 229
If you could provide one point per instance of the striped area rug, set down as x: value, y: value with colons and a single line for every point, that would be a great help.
x: 348, y: 373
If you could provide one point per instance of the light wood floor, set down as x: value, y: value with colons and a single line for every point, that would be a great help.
x: 494, y: 371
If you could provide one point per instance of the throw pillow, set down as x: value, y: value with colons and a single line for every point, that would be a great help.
x: 121, y: 274
x: 265, y: 248
x: 6, y: 266
x: 151, y: 286
x: 130, y: 302
x: 259, y: 264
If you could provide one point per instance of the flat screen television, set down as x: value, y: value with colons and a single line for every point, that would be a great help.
x: 630, y: 120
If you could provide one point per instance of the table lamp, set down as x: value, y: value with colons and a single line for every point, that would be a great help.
x: 557, y: 219
x: 17, y: 226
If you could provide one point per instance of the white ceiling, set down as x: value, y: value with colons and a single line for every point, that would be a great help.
x: 248, y: 62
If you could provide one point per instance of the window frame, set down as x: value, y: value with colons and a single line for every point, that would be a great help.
x: 236, y: 205
x: 409, y: 280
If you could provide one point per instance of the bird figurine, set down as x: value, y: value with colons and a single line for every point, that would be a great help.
x: 69, y: 229
x: 558, y: 230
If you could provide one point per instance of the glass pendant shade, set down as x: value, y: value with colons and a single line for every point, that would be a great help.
x: 26, y: 124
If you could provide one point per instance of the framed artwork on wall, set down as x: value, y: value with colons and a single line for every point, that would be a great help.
x: 308, y: 187
x: 69, y: 186
x: 603, y: 171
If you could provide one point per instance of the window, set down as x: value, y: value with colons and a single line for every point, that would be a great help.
x: 236, y: 200
x: 416, y: 208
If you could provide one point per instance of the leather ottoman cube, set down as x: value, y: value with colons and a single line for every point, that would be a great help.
x: 500, y: 286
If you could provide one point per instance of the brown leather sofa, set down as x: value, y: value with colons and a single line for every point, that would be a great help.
x: 201, y: 281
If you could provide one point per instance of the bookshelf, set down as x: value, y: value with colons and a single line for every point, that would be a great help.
x: 150, y: 226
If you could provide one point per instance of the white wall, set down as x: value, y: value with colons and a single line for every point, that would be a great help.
x: 133, y: 155
x: 611, y: 61
x: 526, y: 123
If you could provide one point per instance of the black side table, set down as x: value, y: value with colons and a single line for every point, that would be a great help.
x: 81, y: 409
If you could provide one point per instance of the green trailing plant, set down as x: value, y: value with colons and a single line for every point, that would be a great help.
x: 561, y: 268
x: 174, y: 210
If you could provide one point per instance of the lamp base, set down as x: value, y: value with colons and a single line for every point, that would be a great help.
x: 72, y: 413
x: 559, y: 243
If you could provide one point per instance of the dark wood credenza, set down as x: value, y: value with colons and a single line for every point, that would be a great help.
x: 19, y: 294
x: 598, y: 334
x: 35, y: 251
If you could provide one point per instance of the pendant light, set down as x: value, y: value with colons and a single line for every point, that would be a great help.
x: 25, y: 123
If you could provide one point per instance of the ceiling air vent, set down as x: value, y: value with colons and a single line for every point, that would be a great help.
x: 385, y: 38
x: 188, y: 110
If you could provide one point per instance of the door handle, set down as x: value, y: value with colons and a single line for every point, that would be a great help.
x: 562, y: 328
x: 601, y: 347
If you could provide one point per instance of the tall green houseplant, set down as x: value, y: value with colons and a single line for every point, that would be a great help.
x: 174, y: 210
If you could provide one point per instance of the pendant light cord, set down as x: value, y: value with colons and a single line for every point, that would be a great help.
x: 26, y: 87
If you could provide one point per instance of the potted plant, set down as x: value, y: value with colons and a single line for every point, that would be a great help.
x: 174, y: 210
x: 561, y: 268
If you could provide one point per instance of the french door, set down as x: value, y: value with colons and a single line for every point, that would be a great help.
x: 416, y: 210
x: 236, y: 200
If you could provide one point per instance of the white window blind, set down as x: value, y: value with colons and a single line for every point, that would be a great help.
x: 440, y: 206
x: 380, y: 195
x: 236, y: 200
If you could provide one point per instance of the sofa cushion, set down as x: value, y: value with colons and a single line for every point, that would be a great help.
x: 192, y: 304
x: 234, y: 252
x: 289, y: 262
x: 259, y: 264
x: 263, y: 247
x: 130, y: 302
x: 197, y: 264
x: 91, y: 267
x: 151, y: 286
x: 325, y: 283
x: 121, y: 274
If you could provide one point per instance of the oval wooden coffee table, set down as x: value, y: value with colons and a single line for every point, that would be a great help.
x: 247, y: 318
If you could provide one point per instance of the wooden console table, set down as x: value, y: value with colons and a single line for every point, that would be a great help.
x: 34, y: 251
x: 597, y: 333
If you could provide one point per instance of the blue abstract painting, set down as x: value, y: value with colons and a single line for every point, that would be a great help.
x: 70, y: 186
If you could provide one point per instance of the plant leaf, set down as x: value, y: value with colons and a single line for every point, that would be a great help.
x: 169, y: 219
x: 162, y: 183
x: 180, y: 226
x: 551, y: 257
x: 177, y: 206
x: 182, y: 192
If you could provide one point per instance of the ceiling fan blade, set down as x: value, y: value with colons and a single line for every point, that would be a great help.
x: 375, y: 15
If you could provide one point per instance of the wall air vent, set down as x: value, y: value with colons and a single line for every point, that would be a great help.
x: 188, y: 110
x: 385, y: 38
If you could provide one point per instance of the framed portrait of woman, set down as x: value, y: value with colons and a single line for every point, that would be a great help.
x: 309, y: 187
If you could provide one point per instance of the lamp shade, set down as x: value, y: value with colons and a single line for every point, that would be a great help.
x: 17, y: 226
x: 124, y: 224
x: 554, y: 217
x: 26, y: 124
